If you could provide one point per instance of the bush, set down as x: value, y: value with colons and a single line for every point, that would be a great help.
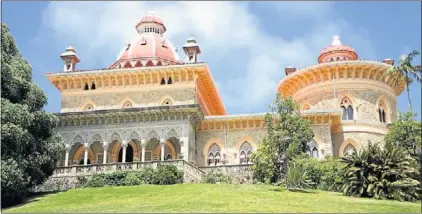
x: 132, y: 179
x: 116, y: 178
x: 147, y: 175
x: 216, y: 177
x: 323, y: 174
x: 96, y: 180
x: 383, y: 173
x: 167, y: 174
x: 297, y: 177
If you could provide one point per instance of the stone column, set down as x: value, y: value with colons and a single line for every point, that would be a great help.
x: 184, y: 147
x: 86, y: 155
x: 143, y: 145
x: 66, y: 159
x: 124, y: 146
x: 105, y: 147
x: 162, y: 143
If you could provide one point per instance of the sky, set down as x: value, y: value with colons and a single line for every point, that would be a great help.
x: 247, y: 45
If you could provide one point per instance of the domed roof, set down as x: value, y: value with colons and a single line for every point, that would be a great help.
x: 150, y: 48
x: 337, y: 52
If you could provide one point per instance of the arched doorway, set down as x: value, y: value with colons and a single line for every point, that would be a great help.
x: 129, y: 154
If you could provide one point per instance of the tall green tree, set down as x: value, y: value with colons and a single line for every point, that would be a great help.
x: 287, y: 136
x: 406, y: 72
x: 406, y: 133
x: 29, y: 146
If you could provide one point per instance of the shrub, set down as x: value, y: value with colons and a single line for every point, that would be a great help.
x: 324, y: 174
x: 216, y: 177
x: 381, y: 173
x: 96, y: 180
x: 167, y: 174
x: 115, y: 178
x: 81, y: 181
x: 132, y: 179
x: 297, y: 176
x: 147, y: 175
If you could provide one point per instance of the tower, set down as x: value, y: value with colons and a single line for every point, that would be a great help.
x: 192, y: 50
x: 70, y: 59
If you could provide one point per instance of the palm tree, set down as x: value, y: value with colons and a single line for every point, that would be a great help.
x: 404, y: 71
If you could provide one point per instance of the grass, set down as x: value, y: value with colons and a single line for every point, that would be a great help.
x: 206, y: 198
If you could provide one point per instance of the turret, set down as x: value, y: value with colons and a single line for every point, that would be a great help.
x: 192, y: 50
x: 70, y: 59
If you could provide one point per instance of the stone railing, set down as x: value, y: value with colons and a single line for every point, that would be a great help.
x: 191, y: 172
x: 242, y: 172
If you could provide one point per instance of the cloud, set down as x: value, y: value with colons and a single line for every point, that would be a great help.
x: 245, y: 59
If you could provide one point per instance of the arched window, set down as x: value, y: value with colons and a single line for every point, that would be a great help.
x: 168, y: 157
x: 163, y: 81
x: 167, y: 102
x: 86, y: 86
x: 170, y: 81
x: 93, y: 86
x: 312, y: 149
x: 349, y: 150
x: 347, y: 107
x: 381, y: 112
x: 245, y: 153
x: 214, y: 154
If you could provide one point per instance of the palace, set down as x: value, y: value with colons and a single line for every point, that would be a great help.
x: 150, y: 106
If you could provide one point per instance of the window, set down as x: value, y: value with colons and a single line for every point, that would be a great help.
x: 163, y: 81
x: 346, y: 105
x: 245, y: 153
x: 148, y: 156
x: 86, y: 86
x: 214, y: 154
x: 381, y: 112
x: 349, y: 150
x: 127, y: 104
x: 68, y: 66
x: 89, y: 107
x: 93, y: 86
x: 312, y: 149
x: 170, y: 81
x: 168, y: 157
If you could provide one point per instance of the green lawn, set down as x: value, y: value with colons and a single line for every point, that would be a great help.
x: 206, y: 198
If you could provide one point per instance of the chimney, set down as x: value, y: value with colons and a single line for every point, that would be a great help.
x: 388, y: 61
x: 289, y: 70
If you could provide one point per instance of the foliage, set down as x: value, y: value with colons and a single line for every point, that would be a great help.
x: 406, y: 72
x: 96, y: 181
x: 297, y: 177
x: 167, y: 174
x: 132, y: 179
x: 29, y: 145
x: 164, y: 174
x: 406, y: 133
x: 212, y: 177
x: 382, y: 173
x: 326, y: 174
x: 287, y: 134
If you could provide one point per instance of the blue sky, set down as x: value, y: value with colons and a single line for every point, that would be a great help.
x: 246, y: 44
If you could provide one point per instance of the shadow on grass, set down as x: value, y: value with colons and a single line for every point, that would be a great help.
x: 32, y: 197
x: 293, y: 190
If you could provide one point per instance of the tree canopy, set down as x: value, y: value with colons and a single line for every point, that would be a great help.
x: 287, y: 136
x: 29, y: 146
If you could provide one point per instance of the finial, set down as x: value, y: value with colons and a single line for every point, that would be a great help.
x: 336, y: 40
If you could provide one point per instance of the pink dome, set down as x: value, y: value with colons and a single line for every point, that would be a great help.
x: 151, y: 19
x: 337, y: 52
x: 150, y: 48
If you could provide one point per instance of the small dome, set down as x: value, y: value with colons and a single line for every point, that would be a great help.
x: 337, y: 52
x: 150, y: 48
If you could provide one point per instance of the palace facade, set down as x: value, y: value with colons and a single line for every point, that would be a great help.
x: 149, y: 105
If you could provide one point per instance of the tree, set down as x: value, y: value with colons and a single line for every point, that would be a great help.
x: 383, y: 173
x: 29, y: 145
x: 406, y: 72
x: 287, y: 136
x: 406, y: 133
